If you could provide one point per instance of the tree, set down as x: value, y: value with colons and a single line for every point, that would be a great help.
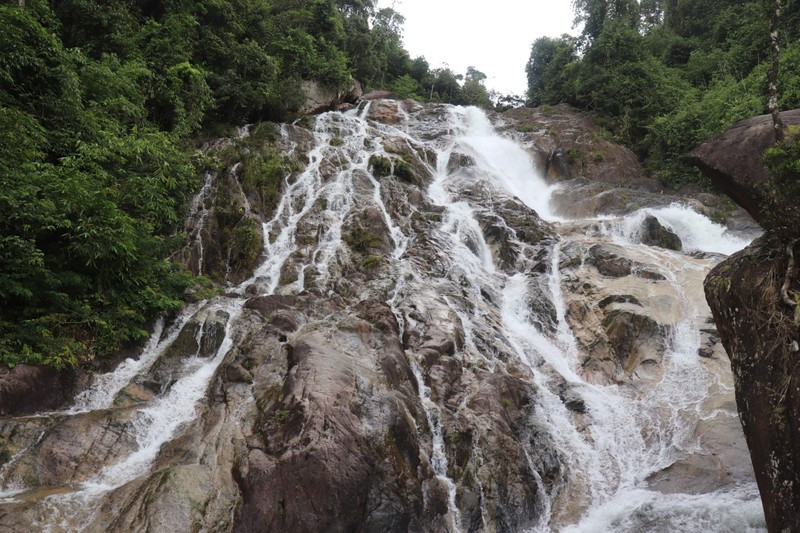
x: 772, y: 75
x: 545, y: 68
x: 474, y: 91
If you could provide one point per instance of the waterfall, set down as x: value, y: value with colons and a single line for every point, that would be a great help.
x: 473, y: 288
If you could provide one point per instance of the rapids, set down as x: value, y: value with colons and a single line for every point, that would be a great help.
x: 647, y: 444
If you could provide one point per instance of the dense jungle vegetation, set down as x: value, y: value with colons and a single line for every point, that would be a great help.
x: 101, y: 106
x: 664, y: 75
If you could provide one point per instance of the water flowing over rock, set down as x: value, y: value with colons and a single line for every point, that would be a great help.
x: 424, y: 343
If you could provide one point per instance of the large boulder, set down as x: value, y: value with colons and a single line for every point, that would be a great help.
x: 26, y: 389
x: 320, y: 98
x: 654, y: 234
x: 732, y: 160
x: 760, y: 334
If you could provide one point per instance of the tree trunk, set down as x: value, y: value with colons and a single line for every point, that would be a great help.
x: 772, y: 75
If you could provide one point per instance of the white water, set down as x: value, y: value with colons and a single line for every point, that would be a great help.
x: 509, y: 164
x: 629, y: 434
x: 199, y: 211
x: 158, y: 421
x: 697, y: 232
x: 626, y: 435
x: 438, y: 457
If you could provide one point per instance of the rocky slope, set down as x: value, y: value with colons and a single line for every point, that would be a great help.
x: 421, y: 342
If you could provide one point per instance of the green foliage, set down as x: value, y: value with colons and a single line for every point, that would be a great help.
x: 101, y: 103
x: 474, y: 91
x: 263, y: 172
x: 372, y: 261
x: 361, y: 239
x: 404, y: 171
x: 574, y: 155
x: 380, y: 166
x: 782, y: 190
x: 665, y: 75
x: 406, y: 87
x: 549, y: 57
x: 247, y: 243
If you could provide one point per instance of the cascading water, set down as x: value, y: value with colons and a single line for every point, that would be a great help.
x: 616, y: 457
x: 613, y: 437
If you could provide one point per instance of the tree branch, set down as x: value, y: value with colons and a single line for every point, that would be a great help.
x: 790, y: 275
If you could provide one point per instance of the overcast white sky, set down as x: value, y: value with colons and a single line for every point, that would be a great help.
x: 494, y: 36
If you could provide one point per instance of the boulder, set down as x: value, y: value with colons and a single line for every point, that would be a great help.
x: 760, y: 335
x: 635, y: 339
x: 76, y: 448
x: 26, y: 389
x: 320, y: 98
x: 732, y: 160
x: 654, y: 234
x: 385, y: 111
x: 377, y: 95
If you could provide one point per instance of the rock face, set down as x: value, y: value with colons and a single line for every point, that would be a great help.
x: 760, y: 334
x: 732, y: 160
x: 319, y: 98
x: 413, y: 348
x: 26, y: 389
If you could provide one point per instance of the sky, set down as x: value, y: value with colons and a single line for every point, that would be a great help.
x: 495, y: 36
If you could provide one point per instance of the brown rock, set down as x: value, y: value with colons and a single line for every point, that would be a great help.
x: 27, y: 389
x: 635, y: 338
x: 385, y: 111
x: 320, y: 98
x: 732, y: 160
x: 759, y: 333
x: 377, y: 95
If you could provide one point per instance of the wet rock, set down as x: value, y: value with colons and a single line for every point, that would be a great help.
x: 377, y: 95
x: 176, y: 499
x: 709, y: 340
x: 26, y: 389
x: 200, y: 337
x: 318, y: 448
x: 724, y: 463
x: 76, y: 448
x: 635, y: 339
x: 559, y: 167
x: 654, y: 234
x: 385, y: 111
x: 608, y: 263
x: 279, y: 311
x: 458, y: 161
x: 572, y: 399
x: 568, y: 143
x: 618, y: 299
x: 132, y: 394
x: 586, y: 199
x: 758, y: 331
x: 732, y: 160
